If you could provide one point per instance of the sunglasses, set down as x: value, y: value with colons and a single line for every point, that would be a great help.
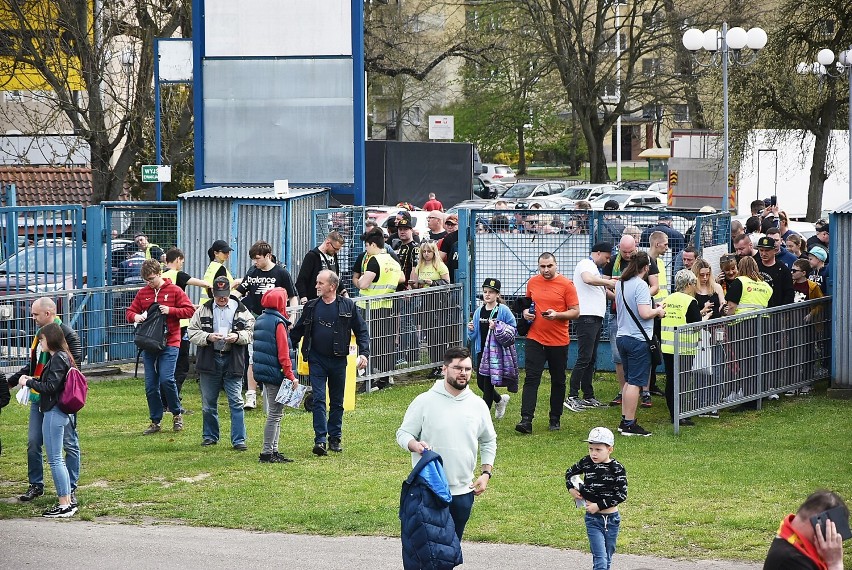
x: 450, y: 224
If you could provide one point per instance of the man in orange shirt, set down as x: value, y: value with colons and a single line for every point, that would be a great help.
x: 555, y: 302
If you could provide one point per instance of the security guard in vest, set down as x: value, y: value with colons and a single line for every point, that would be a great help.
x: 174, y: 273
x: 380, y: 276
x: 681, y: 309
x: 218, y: 253
x: 151, y: 250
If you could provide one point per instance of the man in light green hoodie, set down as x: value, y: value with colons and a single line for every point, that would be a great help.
x: 455, y: 423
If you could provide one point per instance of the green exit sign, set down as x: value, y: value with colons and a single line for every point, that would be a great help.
x: 156, y: 173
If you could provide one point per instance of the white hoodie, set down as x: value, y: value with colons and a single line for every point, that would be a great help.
x: 455, y: 427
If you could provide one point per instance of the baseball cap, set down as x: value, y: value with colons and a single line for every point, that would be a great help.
x: 665, y: 217
x: 492, y: 283
x: 821, y: 227
x: 452, y: 218
x: 601, y: 435
x: 221, y: 287
x: 221, y: 245
x: 602, y: 247
x: 819, y: 252
x: 766, y: 242
x: 611, y: 205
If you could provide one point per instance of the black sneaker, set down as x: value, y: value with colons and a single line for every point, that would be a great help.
x: 686, y: 422
x: 74, y: 502
x: 60, y: 512
x: 645, y: 400
x: 634, y: 429
x: 616, y: 401
x: 334, y: 445
x: 656, y: 391
x: 319, y: 449
x: 554, y: 425
x: 33, y: 492
x: 240, y: 447
x: 524, y: 426
x: 280, y: 458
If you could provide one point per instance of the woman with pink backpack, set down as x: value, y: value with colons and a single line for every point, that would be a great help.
x: 50, y: 386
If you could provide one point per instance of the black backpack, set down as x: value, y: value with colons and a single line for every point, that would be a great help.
x: 151, y: 334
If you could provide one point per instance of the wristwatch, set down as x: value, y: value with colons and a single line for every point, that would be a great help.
x: 487, y: 473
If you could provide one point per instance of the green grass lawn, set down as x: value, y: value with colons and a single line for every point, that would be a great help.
x: 718, y: 490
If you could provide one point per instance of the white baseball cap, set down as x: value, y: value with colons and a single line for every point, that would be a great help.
x: 601, y: 435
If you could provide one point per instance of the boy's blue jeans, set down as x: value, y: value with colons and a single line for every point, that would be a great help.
x: 603, y: 532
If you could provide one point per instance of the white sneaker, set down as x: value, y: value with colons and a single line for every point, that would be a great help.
x: 805, y: 390
x: 500, y: 407
x: 573, y: 404
x: 251, y: 400
x: 774, y: 397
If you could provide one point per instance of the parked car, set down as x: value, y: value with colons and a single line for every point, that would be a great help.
x: 633, y: 185
x: 42, y: 268
x: 497, y: 173
x: 522, y: 193
x: 483, y: 191
x: 626, y: 199
x: 589, y: 192
x: 661, y: 186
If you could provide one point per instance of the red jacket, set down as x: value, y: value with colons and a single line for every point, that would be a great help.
x: 169, y: 295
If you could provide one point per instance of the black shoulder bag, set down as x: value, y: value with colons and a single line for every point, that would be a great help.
x: 653, y: 342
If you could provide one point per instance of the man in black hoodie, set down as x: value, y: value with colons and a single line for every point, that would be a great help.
x: 321, y: 257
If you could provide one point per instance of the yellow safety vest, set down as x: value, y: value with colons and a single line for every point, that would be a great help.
x: 210, y: 275
x: 662, y: 279
x: 389, y: 273
x: 171, y: 275
x: 676, y: 306
x: 755, y: 296
x: 148, y: 250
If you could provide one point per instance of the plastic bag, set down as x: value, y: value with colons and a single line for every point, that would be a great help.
x: 703, y: 362
x: 23, y: 396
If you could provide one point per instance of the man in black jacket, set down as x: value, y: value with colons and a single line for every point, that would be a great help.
x: 43, y: 311
x: 326, y: 324
x: 800, y: 545
x: 321, y: 257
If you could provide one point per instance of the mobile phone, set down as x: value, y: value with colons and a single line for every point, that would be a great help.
x: 839, y: 516
x: 773, y: 200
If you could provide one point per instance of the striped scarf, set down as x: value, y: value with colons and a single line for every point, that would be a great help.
x: 788, y: 533
x: 41, y: 362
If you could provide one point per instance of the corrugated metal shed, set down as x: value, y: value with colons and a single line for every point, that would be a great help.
x: 242, y: 215
x: 840, y: 261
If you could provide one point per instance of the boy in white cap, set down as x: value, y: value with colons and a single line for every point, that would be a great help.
x: 599, y: 484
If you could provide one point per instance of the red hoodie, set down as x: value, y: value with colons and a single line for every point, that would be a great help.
x: 276, y: 298
x: 169, y: 295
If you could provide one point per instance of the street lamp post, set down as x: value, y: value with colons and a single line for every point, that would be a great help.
x: 822, y: 66
x: 725, y: 47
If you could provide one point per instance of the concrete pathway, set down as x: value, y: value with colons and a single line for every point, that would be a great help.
x: 43, y: 543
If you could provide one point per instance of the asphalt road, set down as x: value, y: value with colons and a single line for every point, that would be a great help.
x: 43, y: 543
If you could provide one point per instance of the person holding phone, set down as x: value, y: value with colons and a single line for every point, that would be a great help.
x: 808, y: 540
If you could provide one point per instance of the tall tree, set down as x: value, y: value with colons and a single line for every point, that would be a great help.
x: 774, y: 96
x: 94, y: 62
x: 581, y: 37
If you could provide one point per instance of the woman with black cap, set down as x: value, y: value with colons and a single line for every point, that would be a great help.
x: 218, y: 253
x: 485, y: 319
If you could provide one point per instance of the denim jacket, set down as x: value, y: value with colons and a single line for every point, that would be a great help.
x: 349, y: 321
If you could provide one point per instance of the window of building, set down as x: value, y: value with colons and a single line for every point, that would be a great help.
x: 652, y: 20
x: 650, y: 66
x: 680, y: 113
x: 609, y: 43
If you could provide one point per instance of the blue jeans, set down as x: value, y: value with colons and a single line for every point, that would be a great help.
x: 460, y: 508
x: 603, y: 532
x: 35, y: 439
x: 160, y: 373
x: 333, y: 370
x: 54, y: 424
x: 636, y: 360
x: 211, y: 384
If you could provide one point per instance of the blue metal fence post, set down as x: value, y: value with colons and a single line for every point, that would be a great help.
x: 466, y: 229
x: 96, y: 253
x: 11, y: 220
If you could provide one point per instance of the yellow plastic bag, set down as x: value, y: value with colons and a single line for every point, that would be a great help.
x: 302, y: 365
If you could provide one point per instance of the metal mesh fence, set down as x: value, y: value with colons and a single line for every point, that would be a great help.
x: 506, y: 243
x: 123, y: 221
x: 411, y: 330
x: 97, y: 315
x: 349, y: 222
x: 742, y: 358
